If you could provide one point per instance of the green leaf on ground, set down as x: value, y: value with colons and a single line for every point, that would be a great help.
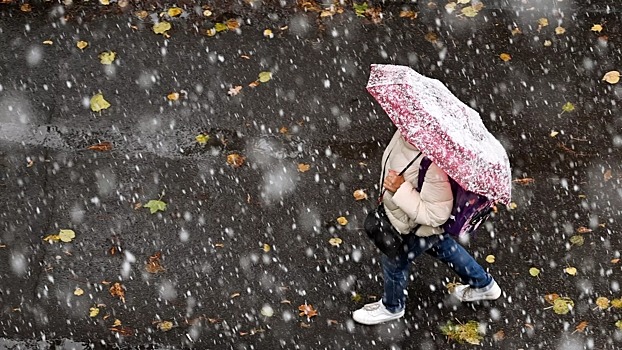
x: 265, y: 77
x: 202, y: 139
x: 568, y: 107
x: 220, y: 27
x: 360, y: 9
x: 562, y: 306
x: 463, y: 333
x: 577, y: 240
x: 155, y: 205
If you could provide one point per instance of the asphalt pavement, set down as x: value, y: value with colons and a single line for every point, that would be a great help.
x: 256, y: 142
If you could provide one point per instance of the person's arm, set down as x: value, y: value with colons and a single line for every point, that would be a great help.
x: 432, y: 206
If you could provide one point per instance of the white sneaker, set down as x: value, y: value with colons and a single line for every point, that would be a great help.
x: 465, y: 293
x: 375, y: 313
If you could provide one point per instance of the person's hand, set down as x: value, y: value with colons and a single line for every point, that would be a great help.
x: 393, y: 181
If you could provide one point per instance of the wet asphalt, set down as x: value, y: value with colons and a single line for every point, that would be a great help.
x: 241, y: 248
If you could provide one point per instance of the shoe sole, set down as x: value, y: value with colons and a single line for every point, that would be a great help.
x: 398, y: 316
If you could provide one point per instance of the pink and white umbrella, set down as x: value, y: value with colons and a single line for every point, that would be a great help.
x: 448, y: 131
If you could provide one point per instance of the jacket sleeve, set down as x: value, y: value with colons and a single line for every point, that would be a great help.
x: 432, y: 206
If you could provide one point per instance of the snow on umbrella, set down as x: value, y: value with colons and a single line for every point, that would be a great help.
x: 448, y: 131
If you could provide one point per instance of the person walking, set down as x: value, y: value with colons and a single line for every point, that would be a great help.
x: 424, y: 213
x: 459, y: 151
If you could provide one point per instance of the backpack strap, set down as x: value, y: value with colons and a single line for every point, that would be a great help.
x: 423, y: 169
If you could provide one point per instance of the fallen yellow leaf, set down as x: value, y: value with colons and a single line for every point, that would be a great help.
x: 602, y: 303
x: 82, y: 44
x: 174, y: 11
x: 612, y: 77
x: 161, y: 27
x: 173, y: 96
x: 543, y: 22
x: 266, y: 247
x: 303, y: 167
x: 559, y: 30
x: 469, y: 11
x: 165, y: 326
x: 107, y: 57
x: 505, y: 57
x: 66, y: 235
x: 268, y: 33
x: 94, y: 311
x: 342, y: 221
x: 48, y: 42
x: 597, y: 28
x: 51, y: 238
x: 335, y: 241
x: 572, y: 271
x: 98, y: 103
x: 490, y: 259
x: 78, y: 291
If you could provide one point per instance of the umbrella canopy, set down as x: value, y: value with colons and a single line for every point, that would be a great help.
x: 448, y: 131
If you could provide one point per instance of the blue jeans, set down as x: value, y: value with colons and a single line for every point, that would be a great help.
x: 441, y: 247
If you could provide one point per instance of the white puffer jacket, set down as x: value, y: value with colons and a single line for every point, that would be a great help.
x: 406, y: 208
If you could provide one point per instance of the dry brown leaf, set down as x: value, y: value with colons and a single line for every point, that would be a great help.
x: 173, y: 96
x: 505, y: 57
x: 232, y: 24
x: 101, y: 147
x: 283, y: 130
x: 524, y: 181
x: 409, y: 14
x: 431, y: 37
x: 153, y: 264
x: 607, y: 176
x: 360, y: 195
x: 235, y: 160
x: 123, y: 330
x: 234, y: 90
x: 499, y: 336
x: 615, y: 261
x: 26, y: 8
x: 254, y: 84
x: 581, y: 327
x: 550, y: 298
x: 375, y: 14
x: 583, y: 229
x: 307, y: 310
x: 117, y: 290
x: 303, y: 167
